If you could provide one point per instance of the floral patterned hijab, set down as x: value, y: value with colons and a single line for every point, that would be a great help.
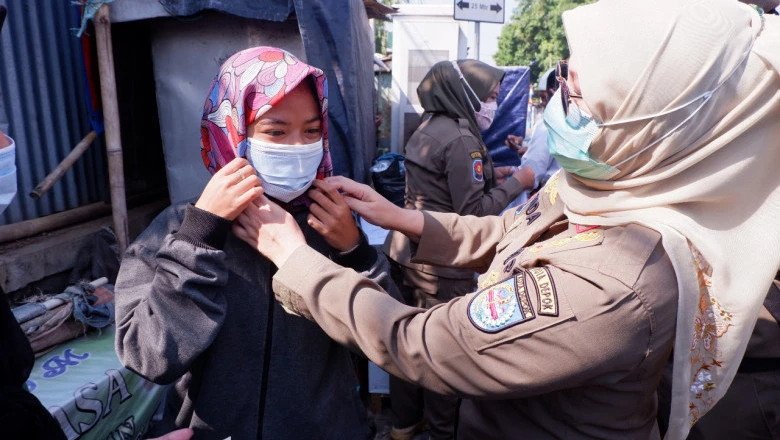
x: 247, y: 85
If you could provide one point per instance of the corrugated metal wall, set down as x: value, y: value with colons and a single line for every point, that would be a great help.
x: 43, y: 107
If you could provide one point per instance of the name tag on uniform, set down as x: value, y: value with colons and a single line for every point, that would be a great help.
x: 501, y: 305
x: 530, y: 209
x: 545, y: 289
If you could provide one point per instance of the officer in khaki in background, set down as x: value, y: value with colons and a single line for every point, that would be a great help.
x: 660, y: 230
x: 448, y: 169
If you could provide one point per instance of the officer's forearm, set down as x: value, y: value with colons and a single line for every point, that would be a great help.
x: 408, y: 222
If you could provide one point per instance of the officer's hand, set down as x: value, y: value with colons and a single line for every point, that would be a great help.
x: 502, y: 173
x: 376, y: 209
x: 362, y: 199
x: 271, y: 230
x: 525, y: 175
x: 332, y: 217
x: 231, y: 189
x: 514, y: 142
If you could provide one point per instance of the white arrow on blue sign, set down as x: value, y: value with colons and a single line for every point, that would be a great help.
x: 491, y: 11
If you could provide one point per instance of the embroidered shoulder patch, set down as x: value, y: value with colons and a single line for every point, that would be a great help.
x: 545, y: 291
x: 476, y: 155
x: 477, y: 168
x: 551, y: 188
x: 501, y: 305
x: 589, y: 236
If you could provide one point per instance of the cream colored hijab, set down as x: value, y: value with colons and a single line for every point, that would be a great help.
x: 711, y: 187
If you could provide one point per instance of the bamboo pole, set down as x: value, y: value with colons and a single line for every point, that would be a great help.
x: 36, y: 226
x: 105, y: 55
x: 28, y: 228
x: 63, y: 166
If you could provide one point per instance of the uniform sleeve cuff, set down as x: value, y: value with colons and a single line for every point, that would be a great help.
x: 292, y: 281
x: 203, y: 228
x: 434, y: 231
x: 360, y: 258
x: 512, y: 186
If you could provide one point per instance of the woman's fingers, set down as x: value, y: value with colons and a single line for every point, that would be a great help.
x: 245, y: 198
x: 331, y: 191
x: 318, y: 212
x: 244, y: 173
x: 358, y: 206
x: 247, y: 184
x: 321, y: 198
x: 230, y: 189
x: 233, y: 166
x: 316, y: 224
x: 350, y: 187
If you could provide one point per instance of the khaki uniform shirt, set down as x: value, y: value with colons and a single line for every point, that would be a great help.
x: 448, y: 170
x: 566, y: 338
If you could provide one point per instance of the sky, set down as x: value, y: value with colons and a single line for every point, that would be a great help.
x: 489, y: 32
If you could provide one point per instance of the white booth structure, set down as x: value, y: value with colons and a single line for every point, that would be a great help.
x: 422, y: 36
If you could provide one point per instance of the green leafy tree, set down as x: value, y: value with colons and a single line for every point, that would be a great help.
x: 535, y: 36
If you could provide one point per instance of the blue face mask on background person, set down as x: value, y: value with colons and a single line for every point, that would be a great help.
x: 569, y: 141
x: 286, y: 171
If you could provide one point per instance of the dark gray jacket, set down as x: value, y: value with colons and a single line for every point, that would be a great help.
x: 195, y: 302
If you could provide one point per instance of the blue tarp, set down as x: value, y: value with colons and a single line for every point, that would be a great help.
x: 510, y: 115
x: 337, y: 39
x: 271, y: 10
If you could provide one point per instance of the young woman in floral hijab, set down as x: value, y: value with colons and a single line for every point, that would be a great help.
x: 194, y: 303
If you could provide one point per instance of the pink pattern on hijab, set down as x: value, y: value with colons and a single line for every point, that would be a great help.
x: 248, y: 84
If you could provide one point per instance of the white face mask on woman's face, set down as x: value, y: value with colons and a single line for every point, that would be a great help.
x: 486, y: 114
x: 286, y: 171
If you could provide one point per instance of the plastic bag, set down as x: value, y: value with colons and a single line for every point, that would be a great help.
x: 388, y: 174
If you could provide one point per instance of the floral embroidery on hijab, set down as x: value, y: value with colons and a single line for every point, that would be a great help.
x: 248, y: 84
x: 711, y: 322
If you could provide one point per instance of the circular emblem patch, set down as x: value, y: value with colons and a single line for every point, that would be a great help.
x: 477, y: 165
x: 497, y: 307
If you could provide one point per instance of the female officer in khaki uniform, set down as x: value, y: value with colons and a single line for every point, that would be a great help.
x: 661, y: 231
x: 448, y: 169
